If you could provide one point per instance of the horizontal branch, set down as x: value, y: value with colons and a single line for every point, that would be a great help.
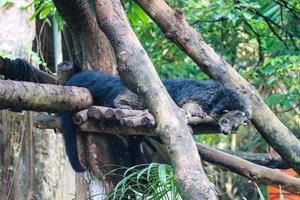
x: 46, y: 121
x: 90, y: 120
x: 18, y: 95
x: 254, y: 172
x: 42, y: 97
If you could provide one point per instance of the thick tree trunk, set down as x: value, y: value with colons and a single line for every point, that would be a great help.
x: 90, y: 49
x: 29, y: 157
x: 176, y: 28
x: 138, y: 73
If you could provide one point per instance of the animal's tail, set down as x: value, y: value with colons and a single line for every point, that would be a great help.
x: 69, y: 135
x: 99, y: 85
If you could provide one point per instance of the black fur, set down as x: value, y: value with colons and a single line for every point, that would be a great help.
x: 216, y: 100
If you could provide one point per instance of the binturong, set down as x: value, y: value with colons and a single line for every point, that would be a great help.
x: 196, y: 97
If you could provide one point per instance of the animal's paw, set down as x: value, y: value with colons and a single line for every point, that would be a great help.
x: 192, y: 109
x: 127, y: 107
x: 199, y: 114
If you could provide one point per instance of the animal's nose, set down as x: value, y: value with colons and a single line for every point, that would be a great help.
x: 225, y: 132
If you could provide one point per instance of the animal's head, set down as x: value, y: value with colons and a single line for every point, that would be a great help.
x: 231, y: 120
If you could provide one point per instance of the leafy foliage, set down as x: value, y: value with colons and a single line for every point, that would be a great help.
x: 261, y: 40
x: 6, y: 3
x: 43, y: 10
x: 148, y: 181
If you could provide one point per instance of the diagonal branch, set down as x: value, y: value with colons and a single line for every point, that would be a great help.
x: 181, y: 33
x: 253, y: 172
x: 138, y: 73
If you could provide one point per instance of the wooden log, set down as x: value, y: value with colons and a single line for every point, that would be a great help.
x: 94, y: 113
x: 133, y: 121
x: 46, y: 121
x: 43, y: 97
x: 80, y: 117
x: 123, y: 113
x: 100, y: 112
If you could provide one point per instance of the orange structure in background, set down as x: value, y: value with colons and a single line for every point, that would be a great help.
x: 274, y: 193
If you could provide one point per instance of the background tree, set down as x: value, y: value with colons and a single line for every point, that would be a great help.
x: 25, y: 150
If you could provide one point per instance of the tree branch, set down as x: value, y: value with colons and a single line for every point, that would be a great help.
x: 180, y: 32
x: 42, y: 97
x: 271, y: 160
x: 253, y: 172
x: 243, y: 166
x: 18, y: 96
x: 138, y: 73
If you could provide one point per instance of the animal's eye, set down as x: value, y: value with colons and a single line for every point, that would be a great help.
x: 238, y: 114
x: 224, y: 121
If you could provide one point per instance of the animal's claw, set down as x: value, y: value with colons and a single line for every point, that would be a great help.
x: 202, y: 115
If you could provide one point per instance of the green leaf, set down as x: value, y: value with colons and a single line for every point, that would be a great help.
x: 132, y: 18
x: 272, y: 80
x: 247, y: 16
x: 269, y: 69
x: 275, y: 99
x: 45, y: 12
x: 25, y: 6
x: 140, y: 13
x: 261, y: 196
x: 162, y: 174
x: 59, y: 20
x: 6, y: 3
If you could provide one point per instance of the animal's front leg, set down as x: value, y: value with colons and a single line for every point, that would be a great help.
x: 128, y: 100
x: 193, y: 109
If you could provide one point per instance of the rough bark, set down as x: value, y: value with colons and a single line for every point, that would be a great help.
x: 271, y: 160
x: 94, y: 47
x: 42, y: 97
x: 138, y: 73
x: 253, y: 172
x: 114, y: 127
x: 176, y: 28
x: 90, y: 49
